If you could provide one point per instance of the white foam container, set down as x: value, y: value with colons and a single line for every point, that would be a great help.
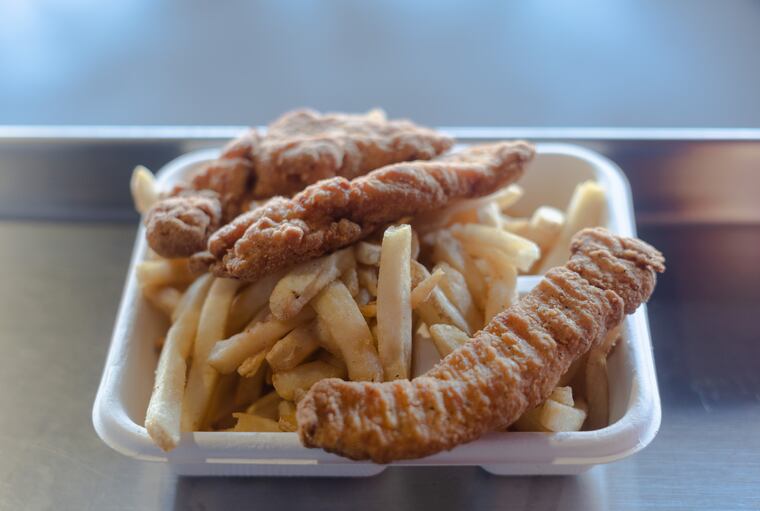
x: 119, y: 409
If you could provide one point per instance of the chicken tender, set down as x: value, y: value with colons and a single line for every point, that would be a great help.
x: 508, y: 367
x: 337, y: 212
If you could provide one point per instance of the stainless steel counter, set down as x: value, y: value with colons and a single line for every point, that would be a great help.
x: 67, y: 229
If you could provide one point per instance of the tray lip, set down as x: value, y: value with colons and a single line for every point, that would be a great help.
x: 631, y: 433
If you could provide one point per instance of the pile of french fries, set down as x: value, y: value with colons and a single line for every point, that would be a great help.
x: 239, y: 356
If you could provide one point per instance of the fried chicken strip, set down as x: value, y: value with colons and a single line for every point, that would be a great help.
x: 337, y: 212
x: 298, y: 149
x: 508, y: 367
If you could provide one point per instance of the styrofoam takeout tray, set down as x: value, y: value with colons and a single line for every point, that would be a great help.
x: 119, y: 410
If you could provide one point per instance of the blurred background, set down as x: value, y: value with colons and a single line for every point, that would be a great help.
x: 537, y: 63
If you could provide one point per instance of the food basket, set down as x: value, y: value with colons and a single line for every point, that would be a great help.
x: 122, y: 398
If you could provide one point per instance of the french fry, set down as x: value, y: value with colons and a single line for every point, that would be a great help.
x: 437, y: 308
x: 322, y: 329
x: 368, y: 279
x: 422, y: 290
x: 349, y: 332
x: 165, y: 272
x: 559, y: 417
x: 221, y: 405
x: 351, y: 280
x: 293, y: 349
x: 455, y: 288
x: 303, y: 282
x: 597, y: 381
x: 254, y: 424
x: 480, y: 241
x: 367, y: 253
x: 162, y: 419
x: 587, y: 208
x: 228, y: 354
x: 143, y: 188
x: 303, y: 377
x: 448, y: 250
x: 202, y: 378
x: 563, y: 395
x: 531, y: 420
x: 249, y: 389
x: 394, y: 310
x: 545, y: 227
x: 490, y: 215
x: 251, y: 365
x: 502, y: 291
x: 447, y: 338
x: 519, y: 226
x: 164, y: 298
x: 466, y: 210
x: 424, y: 353
x: 369, y: 310
x: 415, y: 248
x: 287, y: 420
x: 249, y: 301
x: 266, y: 406
x: 326, y: 356
x: 363, y: 297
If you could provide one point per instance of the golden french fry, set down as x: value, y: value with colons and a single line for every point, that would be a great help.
x: 369, y: 310
x: 162, y: 419
x: 422, y: 290
x: 251, y: 365
x: 349, y: 332
x: 303, y: 282
x: 437, y: 308
x: 303, y: 377
x: 559, y: 417
x: 481, y: 241
x: 587, y: 208
x: 447, y: 338
x: 228, y: 354
x: 368, y: 279
x: 165, y: 272
x: 424, y: 353
x: 367, y: 253
x: 351, y: 280
x: 287, y: 420
x: 164, y: 298
x: 249, y: 389
x: 597, y: 381
x: 202, y: 378
x: 455, y: 288
x: 466, y: 210
x: 266, y: 406
x: 447, y: 249
x: 253, y: 423
x: 249, y: 301
x: 502, y: 291
x: 143, y: 188
x: 394, y: 310
x: 293, y: 349
x: 322, y: 329
x: 221, y: 405
x: 326, y: 356
x: 545, y: 227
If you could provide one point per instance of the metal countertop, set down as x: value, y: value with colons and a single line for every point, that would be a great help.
x: 67, y: 230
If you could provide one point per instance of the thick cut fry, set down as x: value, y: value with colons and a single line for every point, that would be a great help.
x: 162, y: 419
x: 293, y: 349
x: 480, y: 241
x: 563, y: 395
x: 422, y: 290
x: 448, y: 250
x: 467, y: 209
x: 143, y: 188
x: 368, y: 279
x: 252, y: 364
x: 322, y: 329
x: 490, y: 215
x: 349, y: 332
x: 303, y: 282
x: 228, y: 354
x: 367, y: 253
x: 266, y: 406
x: 164, y: 298
x: 545, y: 227
x: 249, y: 301
x: 587, y: 208
x: 447, y: 338
x: 254, y: 424
x: 165, y: 272
x: 437, y: 308
x: 351, y: 280
x: 202, y: 378
x: 287, y: 420
x: 454, y: 286
x: 394, y: 309
x: 286, y: 383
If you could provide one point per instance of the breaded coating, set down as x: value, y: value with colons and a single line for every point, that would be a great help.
x: 177, y: 226
x: 508, y: 367
x: 298, y: 149
x: 304, y: 146
x: 337, y: 212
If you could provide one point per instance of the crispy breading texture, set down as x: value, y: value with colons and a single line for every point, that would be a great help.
x: 178, y: 226
x: 337, y: 212
x: 298, y: 149
x: 511, y: 365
